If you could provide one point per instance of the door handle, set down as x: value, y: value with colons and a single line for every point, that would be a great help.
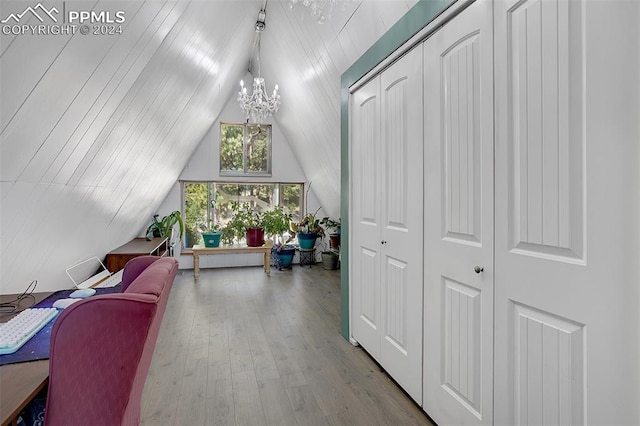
x: 478, y: 269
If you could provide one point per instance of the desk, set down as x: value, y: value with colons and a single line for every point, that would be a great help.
x: 201, y: 250
x: 19, y: 383
x: 117, y: 258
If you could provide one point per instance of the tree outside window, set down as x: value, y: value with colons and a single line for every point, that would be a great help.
x: 245, y: 149
x: 208, y: 203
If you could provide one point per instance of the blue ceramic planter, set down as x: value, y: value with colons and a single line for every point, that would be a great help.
x: 286, y: 256
x: 306, y: 241
x: 211, y: 239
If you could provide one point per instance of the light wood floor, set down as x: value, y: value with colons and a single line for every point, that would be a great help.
x: 240, y: 348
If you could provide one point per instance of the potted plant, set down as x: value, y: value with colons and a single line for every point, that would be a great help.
x: 334, y: 237
x: 276, y: 222
x: 164, y: 226
x: 227, y: 235
x: 247, y: 222
x: 212, y: 235
x: 329, y: 259
x: 308, y: 230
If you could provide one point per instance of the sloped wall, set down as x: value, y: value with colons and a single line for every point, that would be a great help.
x: 96, y: 129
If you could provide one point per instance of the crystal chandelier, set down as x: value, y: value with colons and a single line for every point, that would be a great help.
x: 321, y: 9
x: 258, y: 106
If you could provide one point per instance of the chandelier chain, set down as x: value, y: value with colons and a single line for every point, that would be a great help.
x: 258, y: 106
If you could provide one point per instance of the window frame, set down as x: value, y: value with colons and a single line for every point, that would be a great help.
x: 211, y: 190
x: 245, y: 157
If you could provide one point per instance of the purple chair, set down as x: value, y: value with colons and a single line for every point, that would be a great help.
x: 102, y: 346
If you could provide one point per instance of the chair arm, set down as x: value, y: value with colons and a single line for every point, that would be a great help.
x: 134, y: 267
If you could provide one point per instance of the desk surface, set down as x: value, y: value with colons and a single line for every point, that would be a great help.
x: 116, y: 259
x: 19, y: 383
x: 140, y: 246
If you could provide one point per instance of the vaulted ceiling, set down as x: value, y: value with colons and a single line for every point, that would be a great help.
x: 95, y: 129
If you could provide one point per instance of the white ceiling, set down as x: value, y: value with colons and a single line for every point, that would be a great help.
x: 95, y: 129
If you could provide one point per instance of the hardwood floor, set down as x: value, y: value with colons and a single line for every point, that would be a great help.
x: 240, y: 348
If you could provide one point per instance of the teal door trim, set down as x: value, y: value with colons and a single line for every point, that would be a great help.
x: 410, y: 24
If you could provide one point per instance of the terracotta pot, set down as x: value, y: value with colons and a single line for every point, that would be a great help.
x: 334, y: 241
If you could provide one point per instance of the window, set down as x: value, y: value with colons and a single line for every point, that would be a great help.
x: 205, y: 201
x: 245, y: 149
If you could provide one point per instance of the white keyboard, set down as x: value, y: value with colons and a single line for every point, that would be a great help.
x: 112, y: 281
x: 19, y: 329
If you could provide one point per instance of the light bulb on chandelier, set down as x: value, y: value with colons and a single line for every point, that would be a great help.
x: 258, y: 106
x: 321, y: 9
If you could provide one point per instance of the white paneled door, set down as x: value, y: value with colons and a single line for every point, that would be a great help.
x: 567, y: 230
x: 458, y: 262
x: 366, y: 324
x: 402, y: 222
x: 386, y: 175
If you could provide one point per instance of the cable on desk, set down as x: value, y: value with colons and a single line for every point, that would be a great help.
x: 11, y: 307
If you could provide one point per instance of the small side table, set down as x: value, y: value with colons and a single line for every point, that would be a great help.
x: 307, y: 256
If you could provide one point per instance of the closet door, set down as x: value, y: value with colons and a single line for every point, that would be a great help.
x: 458, y: 301
x: 567, y: 196
x: 386, y: 244
x: 402, y: 222
x: 366, y: 224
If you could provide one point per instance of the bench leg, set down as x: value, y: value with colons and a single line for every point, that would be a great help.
x: 196, y: 266
x: 267, y: 262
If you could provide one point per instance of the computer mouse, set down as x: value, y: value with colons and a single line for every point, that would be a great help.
x: 64, y: 303
x: 82, y: 293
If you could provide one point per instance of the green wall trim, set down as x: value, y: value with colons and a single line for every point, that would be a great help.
x: 410, y: 24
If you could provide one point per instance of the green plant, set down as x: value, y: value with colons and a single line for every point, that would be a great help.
x: 309, y: 224
x: 195, y: 211
x: 244, y: 217
x: 211, y: 227
x: 276, y: 221
x: 164, y: 226
x: 330, y: 224
x: 228, y: 234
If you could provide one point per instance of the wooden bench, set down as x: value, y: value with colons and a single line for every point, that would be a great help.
x: 202, y: 250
